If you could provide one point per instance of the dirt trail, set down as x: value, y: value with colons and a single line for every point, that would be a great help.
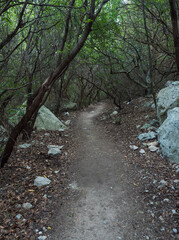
x: 107, y: 207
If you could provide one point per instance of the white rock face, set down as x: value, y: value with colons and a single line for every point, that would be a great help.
x: 167, y: 98
x: 168, y: 135
x: 41, y: 181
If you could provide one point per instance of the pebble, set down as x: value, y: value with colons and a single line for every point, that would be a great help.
x: 174, y: 211
x: 166, y: 200
x: 27, y: 205
x: 18, y: 216
x: 175, y: 230
x: 40, y: 233
x: 142, y: 151
x: 42, y: 237
x: 162, y: 229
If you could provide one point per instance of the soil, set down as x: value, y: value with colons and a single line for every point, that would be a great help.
x: 100, y: 189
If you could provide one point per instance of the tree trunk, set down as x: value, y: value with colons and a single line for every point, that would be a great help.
x: 174, y: 19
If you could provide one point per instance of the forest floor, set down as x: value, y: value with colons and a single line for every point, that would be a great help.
x: 100, y: 188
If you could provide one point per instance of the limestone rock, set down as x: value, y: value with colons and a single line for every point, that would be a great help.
x: 48, y: 121
x: 45, y: 120
x: 168, y: 135
x: 24, y: 146
x: 54, y: 149
x: 27, y: 206
x: 167, y: 98
x: 41, y: 181
x: 147, y: 136
x: 133, y: 147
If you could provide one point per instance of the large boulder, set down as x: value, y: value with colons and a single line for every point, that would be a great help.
x: 45, y: 120
x: 167, y: 98
x: 168, y: 135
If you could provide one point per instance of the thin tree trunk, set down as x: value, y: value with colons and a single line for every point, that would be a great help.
x: 174, y: 19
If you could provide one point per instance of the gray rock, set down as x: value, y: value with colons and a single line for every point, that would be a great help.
x: 45, y: 120
x: 153, y: 148
x: 42, y: 237
x: 154, y: 122
x: 147, y: 136
x: 41, y: 181
x: 114, y: 113
x: 24, y: 146
x: 142, y: 151
x: 27, y: 206
x: 168, y: 136
x: 133, y: 147
x: 67, y: 123
x: 18, y: 216
x: 54, y: 151
x: 145, y: 126
x: 167, y: 98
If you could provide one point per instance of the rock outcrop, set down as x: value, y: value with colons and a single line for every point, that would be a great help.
x: 48, y: 121
x: 167, y: 99
x: 168, y: 135
x: 45, y: 120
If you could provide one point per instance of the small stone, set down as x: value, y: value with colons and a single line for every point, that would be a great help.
x: 27, y: 167
x: 174, y: 211
x: 27, y: 206
x: 18, y: 206
x: 161, y: 218
x: 57, y: 171
x: 147, y: 136
x: 133, y: 147
x: 66, y: 113
x: 176, y: 181
x: 67, y: 123
x: 42, y: 237
x: 44, y: 229
x: 47, y: 134
x: 36, y: 230
x: 166, y: 200
x: 163, y: 182
x: 162, y: 229
x: 175, y: 230
x: 138, y: 126
x: 41, y: 181
x: 142, y: 151
x: 153, y: 148
x: 45, y: 195
x: 24, y: 146
x: 18, y: 216
x: 145, y: 126
x: 40, y: 233
x: 54, y: 151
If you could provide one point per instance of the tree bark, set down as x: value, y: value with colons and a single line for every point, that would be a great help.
x: 174, y: 19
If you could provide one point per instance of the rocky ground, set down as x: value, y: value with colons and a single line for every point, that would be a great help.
x: 154, y: 179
